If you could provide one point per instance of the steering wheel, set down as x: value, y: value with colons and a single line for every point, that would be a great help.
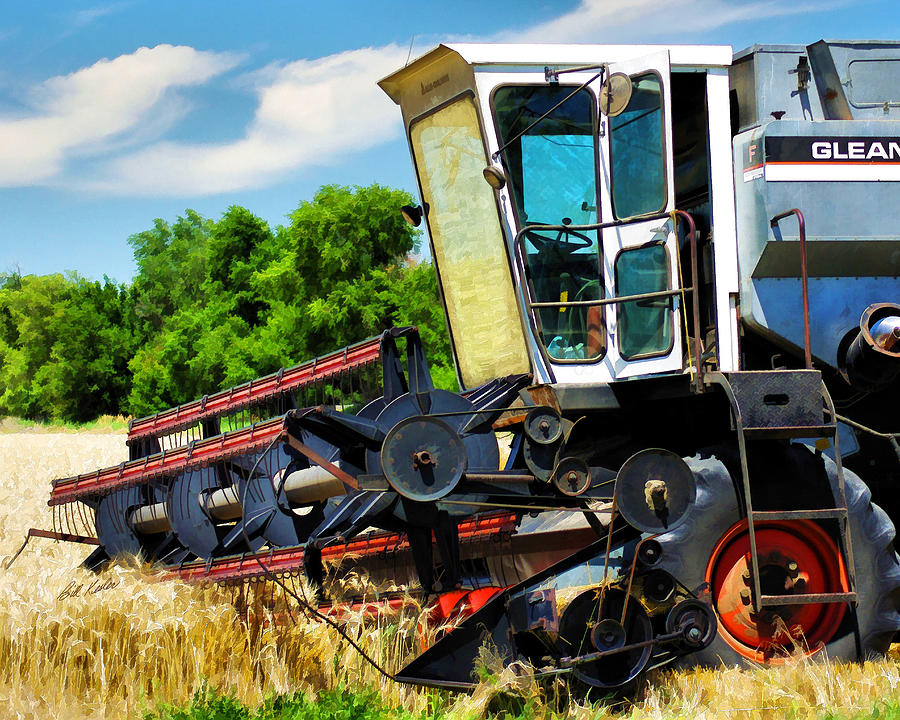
x: 560, y: 244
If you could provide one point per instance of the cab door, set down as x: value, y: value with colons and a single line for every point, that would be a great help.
x: 640, y: 252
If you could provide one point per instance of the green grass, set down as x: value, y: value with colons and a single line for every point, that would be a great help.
x: 345, y: 704
x: 881, y: 711
x: 338, y: 704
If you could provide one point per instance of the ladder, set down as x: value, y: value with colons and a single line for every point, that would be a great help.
x: 786, y: 404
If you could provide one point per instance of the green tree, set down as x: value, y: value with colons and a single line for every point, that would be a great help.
x: 337, y: 273
x: 27, y: 343
x: 171, y: 262
x: 87, y: 373
x: 216, y: 303
x: 204, y: 338
x: 236, y: 251
x: 325, y: 270
x: 345, y: 233
x: 65, y: 343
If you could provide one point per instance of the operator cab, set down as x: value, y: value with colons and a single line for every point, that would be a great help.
x: 588, y: 151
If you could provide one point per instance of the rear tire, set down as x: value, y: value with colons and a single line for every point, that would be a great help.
x: 688, y: 548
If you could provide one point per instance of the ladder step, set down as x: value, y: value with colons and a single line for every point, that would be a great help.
x: 787, y: 432
x: 807, y: 599
x: 825, y: 514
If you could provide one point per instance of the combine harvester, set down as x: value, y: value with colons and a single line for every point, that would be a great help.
x: 670, y: 277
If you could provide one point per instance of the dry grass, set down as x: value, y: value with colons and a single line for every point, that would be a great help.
x: 120, y: 650
x: 103, y: 424
x: 123, y: 648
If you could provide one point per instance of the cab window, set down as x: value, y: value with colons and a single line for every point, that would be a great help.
x: 644, y: 326
x: 636, y: 151
x: 552, y: 173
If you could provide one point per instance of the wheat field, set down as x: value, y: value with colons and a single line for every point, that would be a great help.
x: 74, y: 645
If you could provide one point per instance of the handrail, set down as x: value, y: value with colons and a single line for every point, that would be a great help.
x: 695, y: 296
x: 521, y: 262
x: 804, y: 275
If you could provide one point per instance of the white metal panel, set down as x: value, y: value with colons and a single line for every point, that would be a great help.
x: 613, y: 367
x: 582, y: 54
x: 724, y: 222
x: 832, y: 172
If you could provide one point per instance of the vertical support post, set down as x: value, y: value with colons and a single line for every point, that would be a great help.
x: 722, y: 380
x: 842, y: 493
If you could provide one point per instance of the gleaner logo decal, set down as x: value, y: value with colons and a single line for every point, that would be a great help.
x: 874, y: 150
x: 833, y: 159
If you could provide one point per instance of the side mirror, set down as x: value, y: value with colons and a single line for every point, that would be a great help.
x: 615, y: 94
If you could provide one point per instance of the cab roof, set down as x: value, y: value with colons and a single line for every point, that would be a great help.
x: 506, y: 54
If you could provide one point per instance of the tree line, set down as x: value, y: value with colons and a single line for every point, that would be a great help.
x: 214, y: 304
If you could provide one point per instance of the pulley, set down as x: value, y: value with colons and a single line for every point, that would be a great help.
x: 543, y: 429
x: 427, y: 446
x: 696, y: 622
x: 543, y: 425
x: 585, y: 628
x: 423, y: 458
x: 654, y: 490
x: 572, y: 476
x: 659, y: 586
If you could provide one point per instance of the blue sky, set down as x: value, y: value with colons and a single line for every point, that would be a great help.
x: 113, y: 114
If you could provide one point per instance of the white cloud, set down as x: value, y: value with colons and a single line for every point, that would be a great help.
x: 310, y: 112
x: 77, y: 113
x: 314, y: 112
x: 642, y: 21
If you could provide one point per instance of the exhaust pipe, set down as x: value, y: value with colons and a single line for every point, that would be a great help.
x: 873, y: 358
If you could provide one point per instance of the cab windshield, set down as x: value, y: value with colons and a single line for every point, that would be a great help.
x: 552, y: 176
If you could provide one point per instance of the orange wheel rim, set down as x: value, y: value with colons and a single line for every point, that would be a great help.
x: 795, y: 557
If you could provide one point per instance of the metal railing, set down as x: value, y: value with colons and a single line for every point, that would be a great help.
x: 530, y: 306
x: 804, y: 275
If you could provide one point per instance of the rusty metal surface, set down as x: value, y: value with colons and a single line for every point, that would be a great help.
x: 808, y: 599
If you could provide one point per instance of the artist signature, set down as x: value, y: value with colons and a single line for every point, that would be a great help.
x: 76, y: 589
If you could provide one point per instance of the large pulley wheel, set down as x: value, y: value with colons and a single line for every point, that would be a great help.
x: 654, y: 490
x: 423, y: 458
x: 586, y: 628
x: 426, y: 449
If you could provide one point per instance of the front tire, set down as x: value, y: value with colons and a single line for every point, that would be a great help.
x: 687, y: 551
